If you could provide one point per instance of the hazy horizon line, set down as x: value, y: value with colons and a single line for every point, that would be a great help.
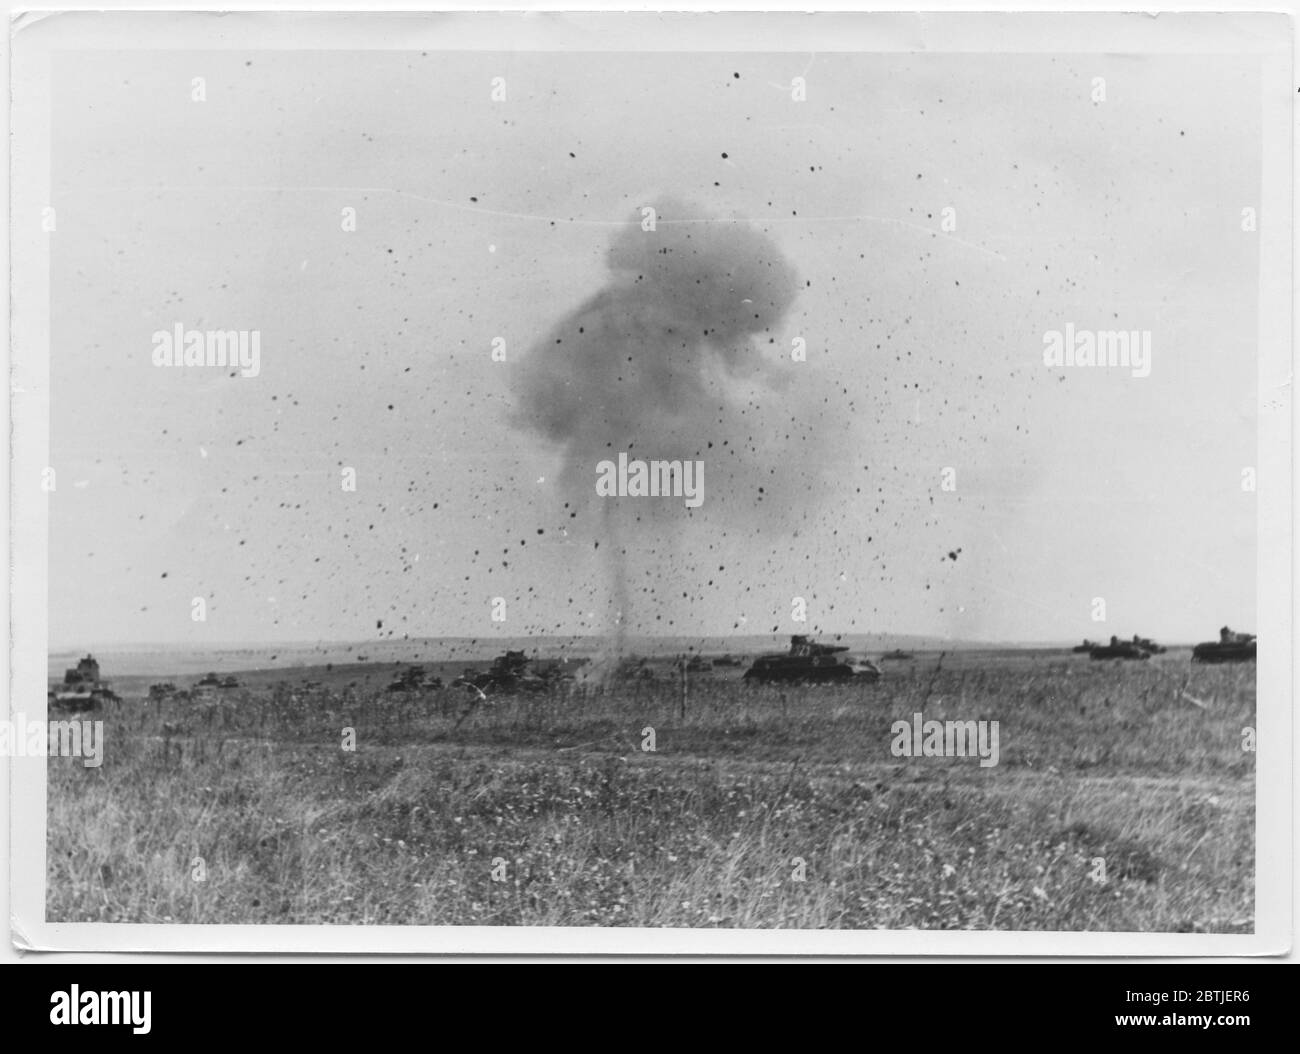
x: 388, y: 643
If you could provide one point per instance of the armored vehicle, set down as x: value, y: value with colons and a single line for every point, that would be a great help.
x: 805, y: 662
x: 413, y: 679
x: 1119, y: 649
x: 82, y: 688
x: 515, y: 672
x: 1230, y: 647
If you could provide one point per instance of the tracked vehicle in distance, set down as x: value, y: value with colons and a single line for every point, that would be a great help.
x: 1230, y: 647
x: 1119, y: 649
x: 82, y: 689
x: 808, y: 663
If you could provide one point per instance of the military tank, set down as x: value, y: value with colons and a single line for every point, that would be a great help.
x: 1118, y: 649
x: 514, y: 671
x: 413, y: 679
x: 806, y: 662
x: 504, y: 675
x: 82, y: 688
x: 1230, y: 647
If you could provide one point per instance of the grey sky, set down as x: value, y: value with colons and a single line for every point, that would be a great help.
x: 478, y: 219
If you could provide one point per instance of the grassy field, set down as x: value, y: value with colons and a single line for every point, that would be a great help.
x: 759, y: 807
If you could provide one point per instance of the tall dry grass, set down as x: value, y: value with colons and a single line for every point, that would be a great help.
x: 759, y: 808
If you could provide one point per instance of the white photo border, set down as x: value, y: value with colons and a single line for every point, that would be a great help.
x: 36, y: 36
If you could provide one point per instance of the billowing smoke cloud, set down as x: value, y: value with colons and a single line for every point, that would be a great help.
x: 681, y: 356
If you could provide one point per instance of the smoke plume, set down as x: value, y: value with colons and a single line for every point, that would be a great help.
x: 678, y: 357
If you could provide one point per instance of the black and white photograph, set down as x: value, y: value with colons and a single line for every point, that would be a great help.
x: 630, y: 480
